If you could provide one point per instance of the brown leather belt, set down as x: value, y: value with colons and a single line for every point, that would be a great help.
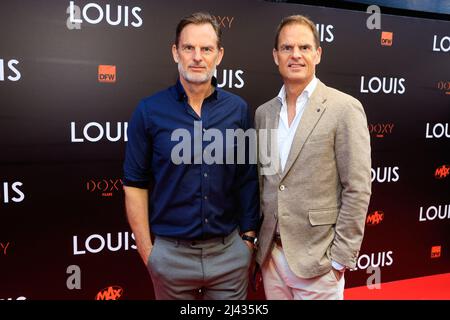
x: 277, y: 240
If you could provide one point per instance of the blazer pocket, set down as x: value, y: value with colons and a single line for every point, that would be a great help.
x: 318, y: 217
x: 318, y: 138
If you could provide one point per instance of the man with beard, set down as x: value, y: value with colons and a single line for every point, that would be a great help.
x: 195, y: 230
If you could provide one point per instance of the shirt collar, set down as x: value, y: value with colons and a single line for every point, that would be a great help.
x: 308, y: 91
x: 181, y: 93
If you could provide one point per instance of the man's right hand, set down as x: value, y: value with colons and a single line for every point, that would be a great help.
x: 145, y: 254
x: 136, y: 202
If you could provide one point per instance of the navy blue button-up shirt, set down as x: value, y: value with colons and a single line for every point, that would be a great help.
x: 197, y: 199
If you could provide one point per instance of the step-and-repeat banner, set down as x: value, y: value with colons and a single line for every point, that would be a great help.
x: 72, y: 72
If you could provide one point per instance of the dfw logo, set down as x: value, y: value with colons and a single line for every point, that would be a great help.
x: 436, y: 252
x: 386, y: 38
x: 106, y: 73
x: 93, y: 13
x: 8, y: 69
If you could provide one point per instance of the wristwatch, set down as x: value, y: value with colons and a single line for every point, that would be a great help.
x: 252, y: 240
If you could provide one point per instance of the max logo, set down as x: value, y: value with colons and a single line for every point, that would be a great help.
x: 110, y: 293
x: 106, y: 73
x: 442, y: 172
x: 375, y: 218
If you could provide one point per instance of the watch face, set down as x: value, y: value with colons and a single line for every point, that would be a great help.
x: 250, y: 239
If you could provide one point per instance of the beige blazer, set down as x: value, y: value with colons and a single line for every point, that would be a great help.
x: 320, y: 200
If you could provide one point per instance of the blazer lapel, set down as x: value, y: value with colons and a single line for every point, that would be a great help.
x: 313, y: 111
x: 273, y: 115
x: 272, y: 127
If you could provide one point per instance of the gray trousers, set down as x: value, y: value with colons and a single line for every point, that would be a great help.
x: 219, y: 267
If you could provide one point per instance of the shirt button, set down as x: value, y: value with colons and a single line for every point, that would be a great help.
x: 282, y: 187
x: 205, y: 175
x: 205, y: 197
x: 206, y: 220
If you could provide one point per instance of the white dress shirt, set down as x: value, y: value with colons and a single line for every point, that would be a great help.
x: 286, y: 133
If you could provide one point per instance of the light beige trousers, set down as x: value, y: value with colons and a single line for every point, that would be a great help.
x: 280, y: 283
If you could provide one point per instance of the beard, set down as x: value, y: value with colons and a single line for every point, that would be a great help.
x: 195, y: 78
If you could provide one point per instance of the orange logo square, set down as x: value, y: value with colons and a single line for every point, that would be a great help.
x: 386, y: 38
x: 435, y: 252
x: 106, y: 73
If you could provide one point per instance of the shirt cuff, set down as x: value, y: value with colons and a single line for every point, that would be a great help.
x: 337, y: 266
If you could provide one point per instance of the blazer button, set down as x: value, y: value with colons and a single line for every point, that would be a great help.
x: 282, y: 187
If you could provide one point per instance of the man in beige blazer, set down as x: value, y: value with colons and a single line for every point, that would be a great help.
x: 314, y: 174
